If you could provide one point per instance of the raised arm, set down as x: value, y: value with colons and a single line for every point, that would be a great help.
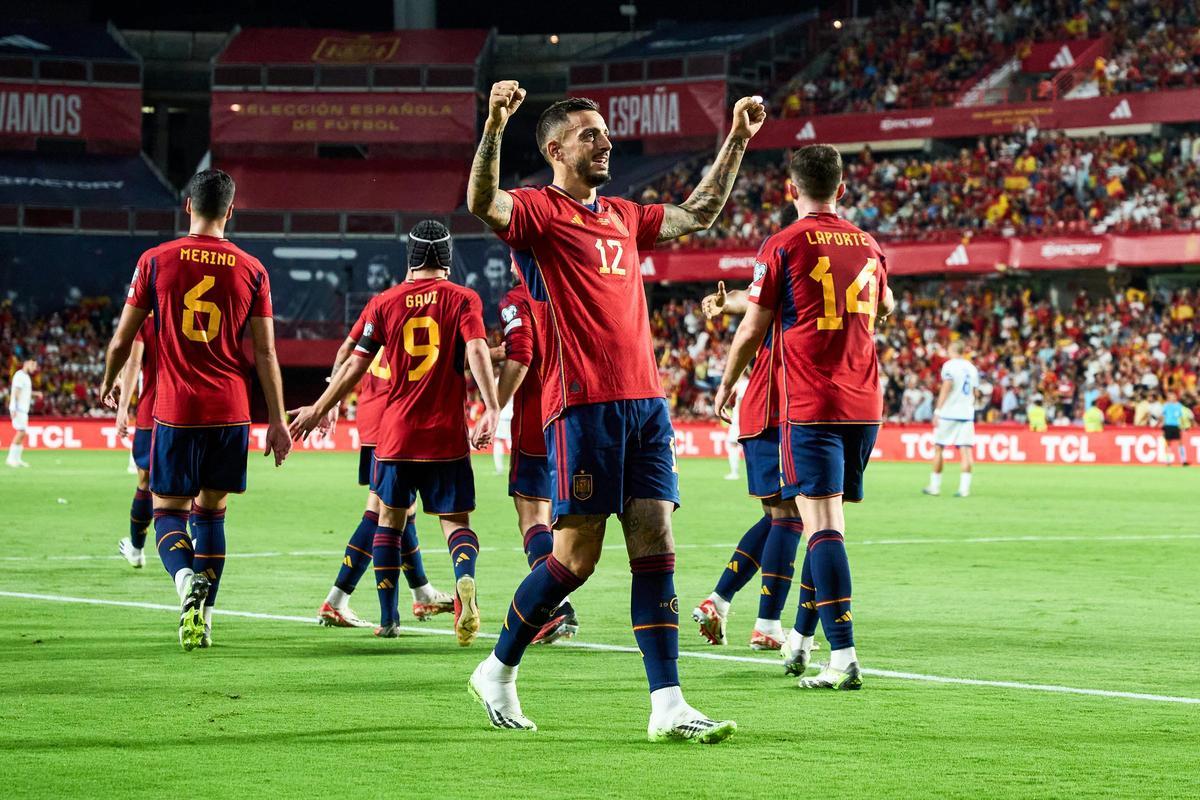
x: 720, y: 302
x: 745, y: 344
x: 485, y: 198
x: 266, y: 364
x: 119, y: 348
x: 702, y: 208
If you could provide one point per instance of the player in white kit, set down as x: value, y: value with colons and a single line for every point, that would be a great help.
x: 954, y: 419
x: 733, y: 448
x: 502, y: 438
x: 20, y: 398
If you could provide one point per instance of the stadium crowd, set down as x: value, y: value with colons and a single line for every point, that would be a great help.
x: 927, y: 53
x: 69, y: 348
x: 1027, y: 182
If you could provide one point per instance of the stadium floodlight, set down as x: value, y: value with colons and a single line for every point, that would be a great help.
x: 629, y: 10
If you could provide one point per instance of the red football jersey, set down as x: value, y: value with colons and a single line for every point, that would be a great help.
x: 759, y: 407
x: 145, y: 403
x: 203, y: 291
x: 423, y: 327
x: 583, y: 272
x: 824, y: 277
x: 372, y: 389
x: 520, y: 344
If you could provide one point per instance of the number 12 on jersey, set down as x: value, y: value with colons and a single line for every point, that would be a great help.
x: 831, y: 320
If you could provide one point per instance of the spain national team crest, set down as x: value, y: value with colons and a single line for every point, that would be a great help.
x: 581, y: 486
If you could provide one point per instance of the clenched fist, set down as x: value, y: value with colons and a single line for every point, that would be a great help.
x: 749, y: 114
x: 506, y: 98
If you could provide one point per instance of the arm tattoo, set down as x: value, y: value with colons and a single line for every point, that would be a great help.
x: 704, y: 205
x: 484, y: 197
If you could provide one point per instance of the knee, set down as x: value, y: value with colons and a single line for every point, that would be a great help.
x: 580, y: 564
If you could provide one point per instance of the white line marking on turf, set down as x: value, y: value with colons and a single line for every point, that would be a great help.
x: 687, y: 546
x: 615, y: 648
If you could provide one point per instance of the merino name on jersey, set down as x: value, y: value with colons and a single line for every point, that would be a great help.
x: 202, y: 377
x: 423, y: 327
x: 520, y: 344
x: 823, y: 278
x: 583, y: 272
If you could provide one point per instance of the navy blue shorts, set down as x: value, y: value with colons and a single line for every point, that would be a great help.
x: 446, y: 487
x: 366, y: 460
x: 762, y: 463
x: 185, y: 460
x: 603, y: 455
x: 141, y: 447
x: 826, y: 460
x: 528, y: 476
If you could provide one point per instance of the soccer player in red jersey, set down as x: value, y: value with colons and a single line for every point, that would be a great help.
x: 819, y: 286
x: 142, y: 359
x: 529, y: 470
x: 774, y: 539
x: 426, y: 326
x: 610, y: 443
x: 204, y: 291
x: 335, y: 612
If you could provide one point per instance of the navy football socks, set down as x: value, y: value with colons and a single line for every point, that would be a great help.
x: 535, y: 600
x: 831, y: 577
x: 778, y: 566
x: 208, y: 537
x: 654, y: 611
x: 745, y: 560
x: 411, y: 563
x: 386, y: 554
x: 358, y: 553
x: 141, y: 514
x: 171, y: 539
x: 539, y: 543
x: 464, y: 552
x: 806, y: 613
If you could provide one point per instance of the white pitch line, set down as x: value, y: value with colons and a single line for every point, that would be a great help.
x: 688, y: 546
x: 615, y: 648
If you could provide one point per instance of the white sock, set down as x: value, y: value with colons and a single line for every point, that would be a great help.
x: 136, y: 551
x: 208, y: 615
x: 771, y: 627
x: 735, y: 459
x: 964, y: 483
x: 14, y: 452
x: 181, y: 582
x: 797, y: 642
x: 497, y: 670
x: 498, y: 455
x: 721, y: 603
x: 337, y: 598
x: 424, y: 593
x: 665, y: 701
x: 841, y: 659
x: 935, y: 481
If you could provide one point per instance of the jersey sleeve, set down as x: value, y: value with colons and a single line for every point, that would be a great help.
x: 470, y: 324
x: 141, y: 292
x: 529, y: 212
x: 947, y: 373
x: 370, y: 325
x: 518, y: 335
x: 356, y: 331
x: 260, y: 306
x: 649, y: 223
x: 768, y: 278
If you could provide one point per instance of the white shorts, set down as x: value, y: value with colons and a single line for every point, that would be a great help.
x: 20, y: 421
x: 954, y: 432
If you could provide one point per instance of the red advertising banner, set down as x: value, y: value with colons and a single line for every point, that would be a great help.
x: 349, y: 117
x: 310, y: 46
x: 933, y: 123
x: 979, y: 256
x: 660, y: 110
x: 1056, y: 56
x: 1009, y: 444
x: 32, y: 111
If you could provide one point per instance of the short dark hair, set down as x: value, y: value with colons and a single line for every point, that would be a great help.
x: 556, y: 115
x: 816, y: 170
x: 211, y: 192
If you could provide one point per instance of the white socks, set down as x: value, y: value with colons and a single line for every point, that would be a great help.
x: 721, y: 603
x: 424, y: 594
x: 208, y: 615
x: 666, y: 702
x: 735, y: 459
x: 964, y: 483
x: 771, y: 627
x: 337, y: 598
x: 498, y: 455
x: 14, y: 452
x: 497, y: 670
x: 182, y: 578
x: 842, y: 659
x: 935, y: 481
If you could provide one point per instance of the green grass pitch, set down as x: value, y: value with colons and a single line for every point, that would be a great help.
x: 1083, y: 577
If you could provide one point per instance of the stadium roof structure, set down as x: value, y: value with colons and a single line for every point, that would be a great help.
x: 70, y: 42
x: 693, y: 38
x: 345, y: 48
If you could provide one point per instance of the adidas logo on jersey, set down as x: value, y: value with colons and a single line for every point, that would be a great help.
x: 958, y: 257
x: 577, y: 220
x: 1063, y: 58
x: 807, y: 132
x: 1122, y: 111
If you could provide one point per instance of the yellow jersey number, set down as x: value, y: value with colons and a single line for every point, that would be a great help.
x: 831, y: 320
x: 428, y: 352
x: 193, y: 305
x: 616, y: 268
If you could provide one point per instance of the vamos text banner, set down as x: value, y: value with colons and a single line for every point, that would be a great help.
x: 29, y: 112
x: 1005, y: 444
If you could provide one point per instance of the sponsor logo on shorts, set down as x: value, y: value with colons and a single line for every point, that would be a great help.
x: 581, y: 486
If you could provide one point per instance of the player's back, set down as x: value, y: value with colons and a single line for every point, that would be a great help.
x: 203, y: 291
x: 424, y: 326
x: 825, y: 277
x: 964, y: 377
